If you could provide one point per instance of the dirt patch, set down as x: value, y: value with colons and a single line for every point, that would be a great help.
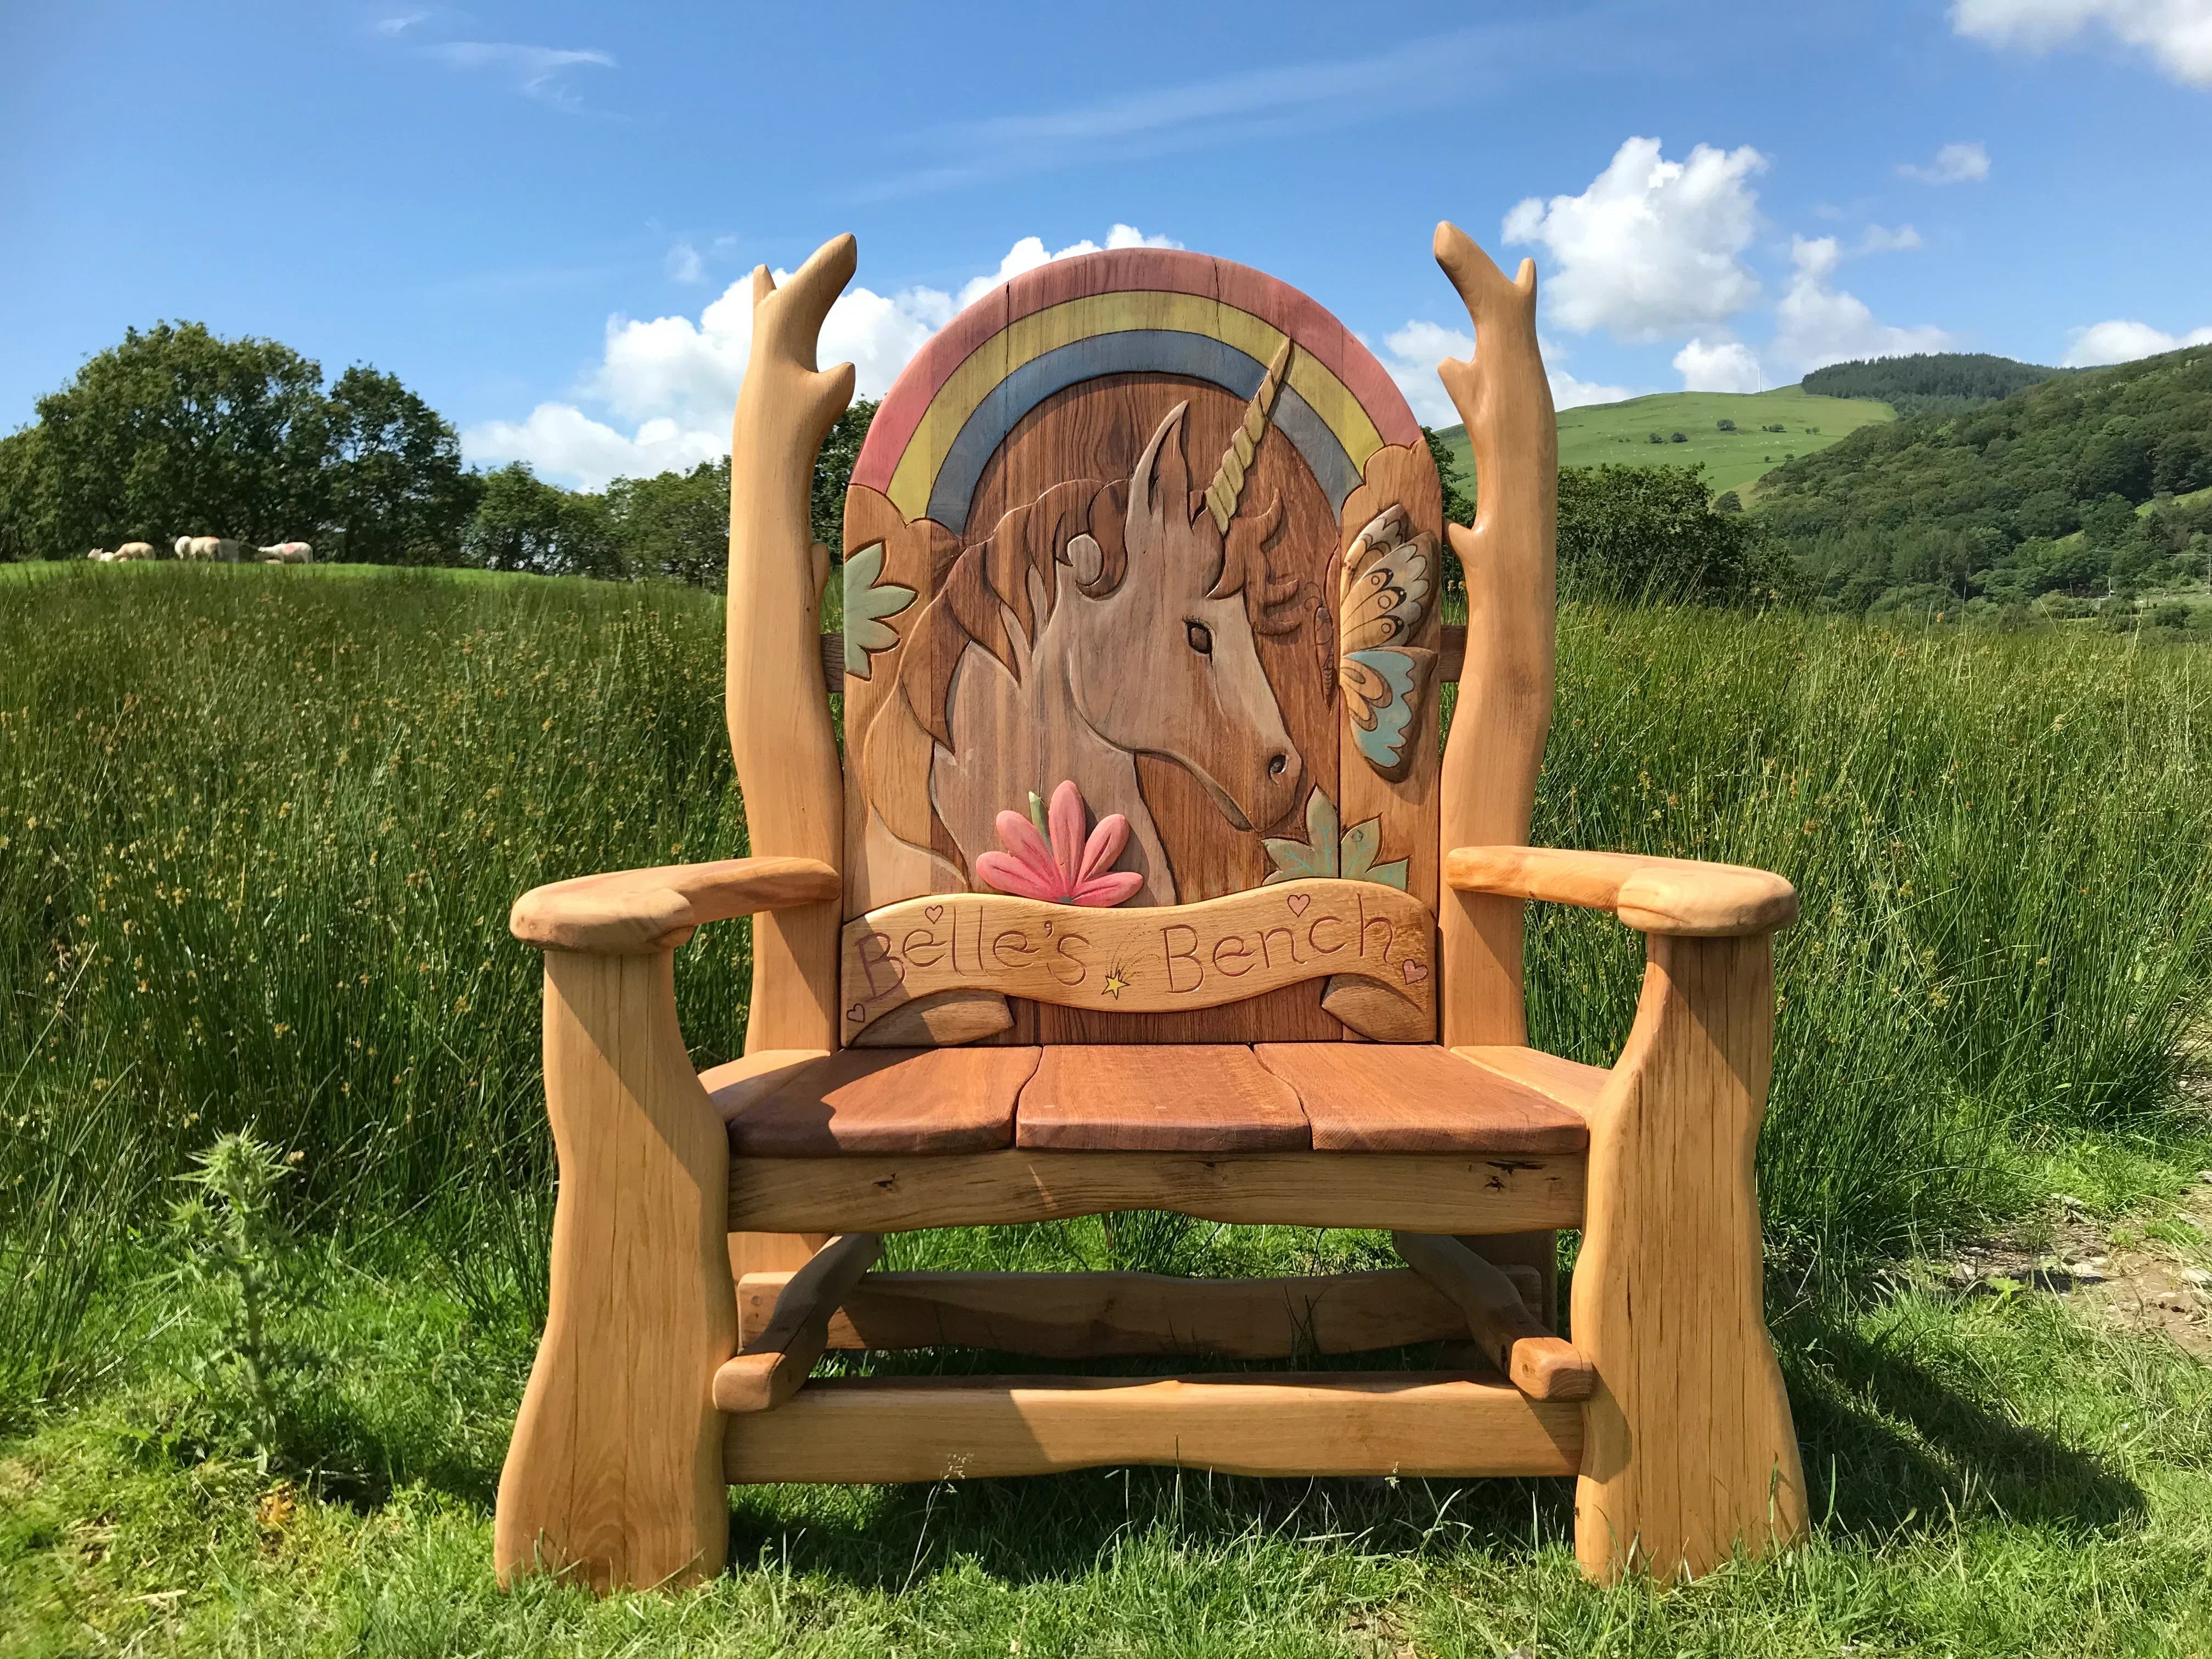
x: 2143, y: 1275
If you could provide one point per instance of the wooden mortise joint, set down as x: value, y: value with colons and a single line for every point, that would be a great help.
x: 1541, y: 1366
x: 771, y: 1368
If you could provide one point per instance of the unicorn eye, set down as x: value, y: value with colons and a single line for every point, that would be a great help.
x: 1200, y: 637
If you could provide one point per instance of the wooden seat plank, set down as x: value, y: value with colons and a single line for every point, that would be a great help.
x: 887, y: 1102
x: 1374, y: 1098
x: 1197, y: 1097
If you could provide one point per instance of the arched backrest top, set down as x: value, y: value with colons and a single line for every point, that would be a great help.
x: 1142, y: 582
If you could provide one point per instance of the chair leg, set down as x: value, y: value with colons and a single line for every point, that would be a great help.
x: 615, y: 1472
x: 1689, y: 1448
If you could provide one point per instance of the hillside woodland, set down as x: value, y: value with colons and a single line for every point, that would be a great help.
x: 1928, y: 383
x: 2066, y: 488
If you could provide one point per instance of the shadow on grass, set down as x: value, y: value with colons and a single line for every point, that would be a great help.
x: 1890, y: 1445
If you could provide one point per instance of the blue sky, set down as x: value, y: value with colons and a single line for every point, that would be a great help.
x: 532, y: 214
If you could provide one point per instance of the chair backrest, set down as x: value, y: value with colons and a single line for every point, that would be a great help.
x: 1142, y: 536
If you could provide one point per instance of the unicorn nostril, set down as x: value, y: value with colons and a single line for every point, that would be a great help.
x: 1278, y: 764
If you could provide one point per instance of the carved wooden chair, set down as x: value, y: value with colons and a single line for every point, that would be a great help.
x: 1140, y: 883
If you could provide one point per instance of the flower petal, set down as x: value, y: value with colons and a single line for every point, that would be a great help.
x: 1019, y: 837
x: 1068, y: 817
x: 1005, y: 874
x: 1104, y: 846
x: 1101, y: 892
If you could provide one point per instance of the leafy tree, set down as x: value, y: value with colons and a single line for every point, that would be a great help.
x: 30, y: 517
x: 1649, y: 533
x: 398, y: 494
x: 833, y: 473
x: 675, y: 526
x: 178, y: 432
x: 523, y: 522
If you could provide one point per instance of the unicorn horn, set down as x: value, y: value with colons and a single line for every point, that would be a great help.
x: 1227, y: 486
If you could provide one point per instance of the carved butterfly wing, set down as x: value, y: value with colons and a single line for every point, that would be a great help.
x: 1384, y: 588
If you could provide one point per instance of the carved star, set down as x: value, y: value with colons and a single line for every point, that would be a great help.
x: 1115, y: 983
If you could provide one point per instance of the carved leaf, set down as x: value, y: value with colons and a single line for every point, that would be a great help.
x: 869, y: 602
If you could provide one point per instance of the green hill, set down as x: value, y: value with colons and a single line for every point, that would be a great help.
x: 1987, y: 503
x: 1621, y: 433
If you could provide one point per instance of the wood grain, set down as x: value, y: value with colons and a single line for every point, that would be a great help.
x: 614, y: 1472
x: 1574, y: 1085
x: 1425, y: 1192
x: 1692, y: 1449
x: 939, y: 1019
x: 1685, y: 896
x: 880, y: 1102
x: 777, y: 701
x: 1365, y: 1097
x: 637, y: 912
x: 1186, y: 1098
x: 773, y: 1363
x: 920, y: 1429
x: 1089, y: 1316
x: 1504, y: 708
x: 1137, y: 958
x: 1539, y: 1364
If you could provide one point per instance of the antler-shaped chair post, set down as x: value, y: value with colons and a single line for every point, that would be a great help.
x: 777, y: 705
x: 780, y: 738
x: 1504, y: 712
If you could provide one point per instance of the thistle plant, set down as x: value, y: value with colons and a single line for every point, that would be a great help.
x: 233, y: 1247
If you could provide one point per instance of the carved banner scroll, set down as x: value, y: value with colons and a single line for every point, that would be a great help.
x: 1151, y: 959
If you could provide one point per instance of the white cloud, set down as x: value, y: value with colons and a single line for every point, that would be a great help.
x: 538, y: 71
x: 1877, y: 239
x: 685, y: 264
x: 2123, y: 342
x: 400, y: 22
x: 1029, y: 253
x: 1411, y: 354
x: 1954, y: 164
x: 561, y: 442
x: 1718, y: 366
x: 2177, y: 33
x: 677, y: 379
x: 1816, y: 324
x: 1652, y: 246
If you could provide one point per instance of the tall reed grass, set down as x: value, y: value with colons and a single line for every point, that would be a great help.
x: 260, y: 830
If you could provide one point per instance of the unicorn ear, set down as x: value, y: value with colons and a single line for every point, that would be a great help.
x: 1088, y: 558
x: 1161, y: 482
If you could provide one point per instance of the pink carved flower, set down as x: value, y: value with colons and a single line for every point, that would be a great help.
x: 1070, y: 871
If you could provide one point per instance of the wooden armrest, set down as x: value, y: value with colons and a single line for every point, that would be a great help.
x: 635, y: 912
x: 1683, y: 897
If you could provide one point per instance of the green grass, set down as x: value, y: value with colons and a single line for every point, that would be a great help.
x: 1991, y: 1478
x: 258, y: 833
x: 1621, y: 433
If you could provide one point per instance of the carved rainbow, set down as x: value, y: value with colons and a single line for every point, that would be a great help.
x: 1127, y: 310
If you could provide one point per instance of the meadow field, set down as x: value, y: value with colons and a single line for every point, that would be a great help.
x: 259, y: 830
x: 1620, y: 434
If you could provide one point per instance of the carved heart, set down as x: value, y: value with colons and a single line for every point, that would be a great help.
x: 1415, y: 972
x: 855, y: 1013
x: 935, y: 913
x: 1297, y: 902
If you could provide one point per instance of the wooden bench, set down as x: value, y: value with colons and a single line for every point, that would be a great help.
x: 1141, y: 882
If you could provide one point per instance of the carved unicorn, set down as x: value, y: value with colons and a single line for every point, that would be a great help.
x: 1097, y: 623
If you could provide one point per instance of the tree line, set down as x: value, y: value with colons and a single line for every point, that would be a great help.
x: 1929, y: 382
x: 176, y: 431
